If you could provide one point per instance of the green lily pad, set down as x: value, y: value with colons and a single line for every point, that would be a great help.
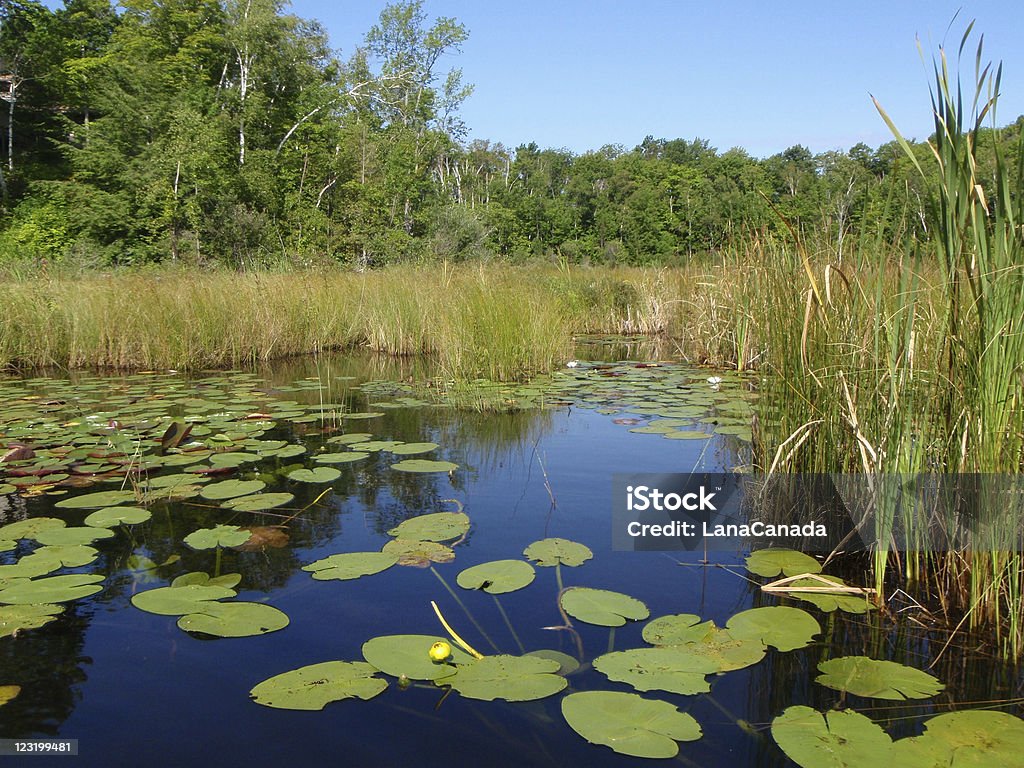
x: 870, y: 678
x: 979, y: 738
x: 228, y: 580
x: 772, y: 562
x: 363, y: 415
x: 409, y: 655
x: 234, y: 459
x: 439, y: 526
x: 346, y: 457
x: 229, y: 489
x: 497, y: 577
x: 6, y: 545
x: 178, y: 601
x: 111, y: 516
x: 73, y: 556
x: 418, y: 554
x: 97, y: 500
x: 512, y: 678
x: 628, y: 723
x: 412, y: 449
x: 316, y: 475
x: 14, y: 618
x: 351, y: 565
x: 30, y: 527
x: 317, y: 685
x: 375, y: 446
x: 566, y: 664
x: 236, y: 619
x: 6, y: 488
x: 551, y: 552
x: 602, y: 607
x: 258, y: 502
x: 353, y: 437
x: 668, y: 668
x: 838, y: 739
x: 71, y: 537
x: 677, y: 629
x: 827, y: 602
x: 424, y: 465
x: 221, y: 536
x: 51, y: 589
x: 780, y: 626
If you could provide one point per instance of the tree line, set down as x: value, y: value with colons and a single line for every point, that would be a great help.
x: 229, y: 132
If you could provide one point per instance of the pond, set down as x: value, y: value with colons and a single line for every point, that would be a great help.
x: 281, y: 468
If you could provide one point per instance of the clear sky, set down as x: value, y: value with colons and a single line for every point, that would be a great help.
x: 762, y: 74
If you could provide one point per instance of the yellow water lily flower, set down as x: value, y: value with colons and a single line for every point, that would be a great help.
x: 440, y: 651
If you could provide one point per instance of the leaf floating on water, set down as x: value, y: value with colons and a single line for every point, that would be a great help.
x: 848, y: 603
x: 838, y: 739
x: 780, y: 626
x: 175, y: 434
x: 352, y: 437
x: 602, y: 607
x: 424, y: 465
x: 771, y: 562
x: 313, y: 687
x: 351, y: 565
x: 677, y: 629
x: 497, y: 577
x: 178, y: 601
x: 8, y: 693
x: 30, y: 527
x: 870, y: 678
x: 512, y: 678
x: 628, y: 723
x: 229, y: 489
x: 73, y: 556
x: 221, y: 536
x: 111, y: 516
x: 71, y: 537
x: 229, y: 580
x: 551, y: 552
x: 14, y: 618
x: 51, y: 589
x: 361, y: 416
x: 438, y: 526
x: 968, y: 738
x: 258, y: 502
x: 316, y: 475
x: 97, y: 500
x: 419, y: 554
x: 263, y: 537
x: 412, y: 449
x: 566, y: 664
x: 346, y: 457
x: 409, y: 655
x: 668, y: 668
x: 236, y: 619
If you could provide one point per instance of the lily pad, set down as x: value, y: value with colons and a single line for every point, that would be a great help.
x: 30, y: 527
x: 229, y: 489
x: 412, y: 449
x: 677, y: 629
x: 317, y: 685
x: 111, y: 516
x: 257, y: 502
x: 772, y: 562
x: 512, y: 678
x: 351, y: 565
x: 497, y: 577
x: 628, y: 723
x: 439, y: 526
x: 73, y: 556
x: 72, y: 537
x: 97, y: 500
x: 424, y: 465
x: 780, y: 626
x: 666, y: 668
x: 51, y: 589
x: 566, y: 664
x: 14, y: 618
x: 229, y: 580
x: 848, y: 603
x: 963, y: 739
x: 178, y: 601
x: 221, y: 536
x: 838, y: 739
x: 236, y: 619
x: 315, y: 475
x: 346, y: 457
x: 602, y: 607
x: 349, y: 439
x: 408, y: 655
x: 870, y: 678
x: 551, y: 552
x: 418, y: 554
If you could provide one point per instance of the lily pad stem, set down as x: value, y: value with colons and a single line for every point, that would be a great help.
x: 465, y: 610
x: 462, y: 643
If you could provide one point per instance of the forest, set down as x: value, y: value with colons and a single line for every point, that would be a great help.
x: 229, y: 133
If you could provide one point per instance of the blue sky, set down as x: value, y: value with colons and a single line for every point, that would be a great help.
x: 762, y: 75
